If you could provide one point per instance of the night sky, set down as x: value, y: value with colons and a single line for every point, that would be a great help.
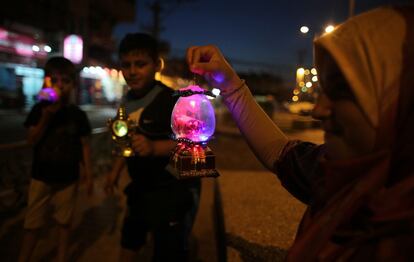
x: 254, y: 35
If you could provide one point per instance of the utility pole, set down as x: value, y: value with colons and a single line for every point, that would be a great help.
x: 301, y: 57
x: 351, y: 8
x: 156, y: 9
x: 160, y: 9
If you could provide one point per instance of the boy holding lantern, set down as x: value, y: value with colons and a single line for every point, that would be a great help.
x: 157, y: 202
x: 59, y: 132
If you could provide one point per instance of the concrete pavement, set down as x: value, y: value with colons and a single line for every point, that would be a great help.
x: 97, y: 225
x: 261, y: 217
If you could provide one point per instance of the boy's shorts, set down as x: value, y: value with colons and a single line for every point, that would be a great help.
x: 168, y: 213
x: 134, y: 230
x: 169, y: 238
x: 41, y: 195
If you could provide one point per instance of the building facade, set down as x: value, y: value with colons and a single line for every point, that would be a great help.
x: 33, y: 30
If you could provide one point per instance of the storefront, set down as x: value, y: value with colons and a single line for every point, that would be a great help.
x: 20, y: 74
x: 100, y: 85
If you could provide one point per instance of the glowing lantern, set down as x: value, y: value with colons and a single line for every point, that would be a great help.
x: 193, y: 123
x: 121, y: 128
x: 48, y: 93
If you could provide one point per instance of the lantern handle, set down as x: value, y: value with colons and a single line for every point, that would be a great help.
x: 191, y: 92
x: 194, y: 79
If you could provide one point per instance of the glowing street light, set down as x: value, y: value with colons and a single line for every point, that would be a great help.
x: 47, y: 49
x: 329, y: 29
x: 300, y: 75
x: 304, y: 29
x: 35, y: 48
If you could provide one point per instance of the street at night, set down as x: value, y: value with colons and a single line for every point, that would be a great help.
x: 259, y: 217
x: 206, y: 131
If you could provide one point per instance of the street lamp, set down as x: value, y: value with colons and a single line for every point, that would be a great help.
x: 300, y: 72
x: 304, y: 29
x: 329, y: 29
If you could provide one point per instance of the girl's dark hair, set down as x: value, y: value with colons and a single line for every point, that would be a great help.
x: 140, y: 42
x: 62, y: 66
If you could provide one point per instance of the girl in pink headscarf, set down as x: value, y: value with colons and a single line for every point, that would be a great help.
x: 358, y: 185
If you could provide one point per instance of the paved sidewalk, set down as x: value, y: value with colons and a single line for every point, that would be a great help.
x: 96, y: 230
x: 258, y: 220
x: 261, y: 217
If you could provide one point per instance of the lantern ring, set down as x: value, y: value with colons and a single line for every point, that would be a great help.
x: 187, y: 141
x: 191, y: 92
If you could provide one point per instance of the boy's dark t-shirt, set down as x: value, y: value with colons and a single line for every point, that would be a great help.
x: 154, y: 110
x: 158, y: 194
x: 58, y: 153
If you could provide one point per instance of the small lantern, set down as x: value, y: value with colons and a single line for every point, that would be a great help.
x: 48, y: 93
x: 121, y: 128
x: 193, y: 123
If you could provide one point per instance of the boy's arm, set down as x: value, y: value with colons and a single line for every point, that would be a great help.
x: 147, y: 147
x: 87, y: 163
x: 163, y: 147
x: 119, y: 164
x: 112, y: 178
x: 35, y: 132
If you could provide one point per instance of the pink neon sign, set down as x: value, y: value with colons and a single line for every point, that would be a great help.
x: 73, y: 48
x: 16, y: 43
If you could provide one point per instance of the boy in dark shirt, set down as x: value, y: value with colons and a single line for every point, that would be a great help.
x: 59, y: 134
x: 157, y: 202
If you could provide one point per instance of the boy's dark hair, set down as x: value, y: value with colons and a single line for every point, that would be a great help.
x: 60, y: 65
x: 140, y: 42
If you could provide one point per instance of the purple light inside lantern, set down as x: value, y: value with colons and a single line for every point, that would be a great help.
x: 48, y: 94
x: 193, y: 117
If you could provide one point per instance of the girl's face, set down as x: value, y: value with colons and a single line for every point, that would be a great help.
x: 348, y: 133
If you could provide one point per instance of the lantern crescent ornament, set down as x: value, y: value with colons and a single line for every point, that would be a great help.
x: 193, y: 123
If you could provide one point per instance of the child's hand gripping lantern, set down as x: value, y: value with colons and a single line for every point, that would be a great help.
x: 121, y: 128
x: 193, y: 123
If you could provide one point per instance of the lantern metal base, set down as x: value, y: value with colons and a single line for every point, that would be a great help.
x: 185, y: 165
x: 123, y: 151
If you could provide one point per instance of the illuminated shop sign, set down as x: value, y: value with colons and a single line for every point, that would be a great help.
x: 23, y: 45
x: 73, y: 48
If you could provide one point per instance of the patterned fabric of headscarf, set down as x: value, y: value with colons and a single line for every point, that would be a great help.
x: 368, y: 210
